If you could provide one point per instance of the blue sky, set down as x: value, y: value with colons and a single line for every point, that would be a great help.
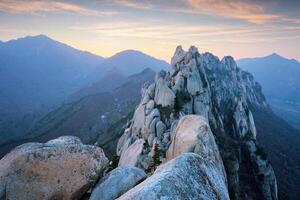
x: 241, y: 28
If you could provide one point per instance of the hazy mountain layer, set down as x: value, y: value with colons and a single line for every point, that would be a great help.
x: 280, y: 79
x: 37, y: 74
x: 90, y: 116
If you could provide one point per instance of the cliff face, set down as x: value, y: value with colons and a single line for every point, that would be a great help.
x: 222, y: 94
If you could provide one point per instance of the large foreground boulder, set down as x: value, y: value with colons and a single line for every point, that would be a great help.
x: 187, y: 176
x: 62, y: 168
x: 117, y: 182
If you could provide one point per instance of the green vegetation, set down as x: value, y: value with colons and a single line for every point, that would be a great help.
x: 108, y: 139
x: 156, y: 156
x: 116, y: 126
x: 181, y: 98
x: 248, y: 136
x: 260, y: 152
x: 53, y: 120
x: 261, y: 177
x: 114, y: 163
x: 115, y: 129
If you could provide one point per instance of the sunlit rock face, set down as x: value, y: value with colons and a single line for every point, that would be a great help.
x: 193, y: 134
x: 222, y: 95
x: 62, y: 168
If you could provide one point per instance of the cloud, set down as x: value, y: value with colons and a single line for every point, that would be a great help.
x: 239, y: 9
x: 250, y: 11
x: 292, y: 20
x: 190, y: 33
x: 161, y: 31
x: 39, y: 6
x: 136, y: 4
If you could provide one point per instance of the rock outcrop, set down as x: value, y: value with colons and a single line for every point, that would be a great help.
x: 117, y: 182
x: 131, y: 155
x: 223, y: 95
x: 187, y: 176
x: 193, y: 134
x: 62, y: 168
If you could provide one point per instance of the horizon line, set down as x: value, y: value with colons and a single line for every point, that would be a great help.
x: 129, y: 49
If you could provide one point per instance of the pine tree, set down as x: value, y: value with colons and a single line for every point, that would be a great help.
x: 156, y: 156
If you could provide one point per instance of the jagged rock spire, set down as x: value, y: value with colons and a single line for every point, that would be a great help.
x: 223, y: 95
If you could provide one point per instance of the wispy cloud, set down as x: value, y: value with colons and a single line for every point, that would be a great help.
x: 39, y: 6
x: 250, y: 11
x: 240, y: 9
x: 175, y: 31
x: 168, y: 34
x: 292, y: 20
x: 136, y: 4
x: 154, y: 30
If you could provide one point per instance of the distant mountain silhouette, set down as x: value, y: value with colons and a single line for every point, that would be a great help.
x: 280, y: 79
x: 130, y: 62
x: 37, y: 74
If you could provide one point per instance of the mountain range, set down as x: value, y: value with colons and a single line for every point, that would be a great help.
x: 38, y: 74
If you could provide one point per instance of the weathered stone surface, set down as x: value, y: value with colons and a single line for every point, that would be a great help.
x: 179, y: 82
x: 164, y: 96
x: 178, y: 55
x: 149, y: 107
x: 130, y: 156
x: 240, y: 120
x: 252, y: 124
x: 193, y: 134
x: 189, y: 131
x: 194, y: 82
x: 138, y: 120
x: 186, y: 177
x: 63, y: 168
x: 117, y: 182
x: 150, y: 90
x: 124, y: 142
x: 201, y: 106
x: 150, y: 123
x: 229, y: 63
x: 160, y: 128
x: 152, y: 126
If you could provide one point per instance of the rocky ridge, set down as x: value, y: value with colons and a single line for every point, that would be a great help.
x: 222, y: 94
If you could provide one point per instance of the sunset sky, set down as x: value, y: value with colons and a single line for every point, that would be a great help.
x: 240, y: 28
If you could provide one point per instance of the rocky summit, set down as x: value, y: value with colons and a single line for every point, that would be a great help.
x: 202, y: 105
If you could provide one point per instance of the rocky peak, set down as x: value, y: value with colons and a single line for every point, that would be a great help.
x: 223, y: 95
